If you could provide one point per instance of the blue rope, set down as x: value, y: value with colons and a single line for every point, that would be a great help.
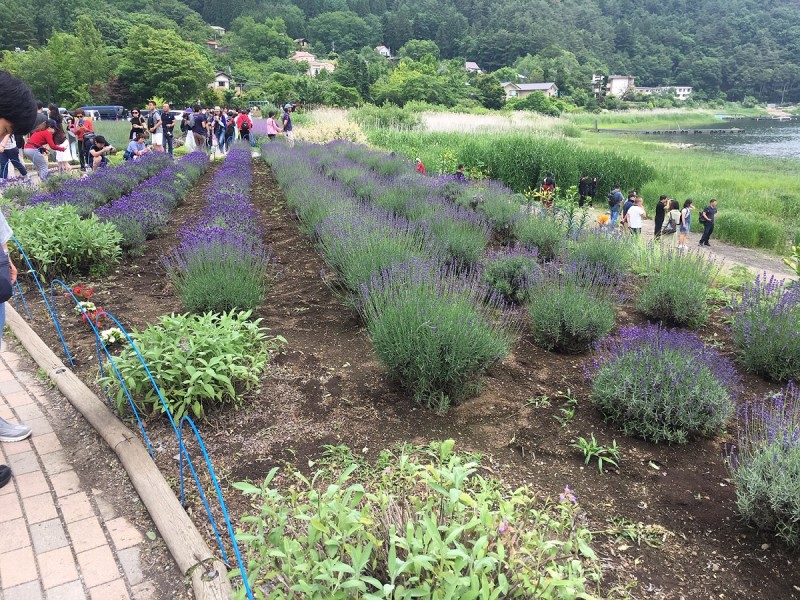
x: 50, y: 309
x: 18, y: 293
x: 220, y: 498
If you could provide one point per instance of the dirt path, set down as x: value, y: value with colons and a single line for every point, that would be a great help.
x: 726, y: 255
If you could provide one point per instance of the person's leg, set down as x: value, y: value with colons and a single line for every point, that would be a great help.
x: 708, y: 227
x: 39, y: 163
x: 81, y: 155
x: 4, y: 162
x: 168, y: 144
x: 13, y: 155
x: 614, y: 216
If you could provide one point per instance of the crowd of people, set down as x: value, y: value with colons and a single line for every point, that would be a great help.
x: 73, y: 137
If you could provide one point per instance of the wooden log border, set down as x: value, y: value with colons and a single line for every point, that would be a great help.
x: 190, y: 551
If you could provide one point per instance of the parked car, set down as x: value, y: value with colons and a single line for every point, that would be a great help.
x: 108, y: 113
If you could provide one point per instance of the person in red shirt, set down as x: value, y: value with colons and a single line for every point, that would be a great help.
x: 420, y: 166
x: 36, y: 148
x: 83, y: 127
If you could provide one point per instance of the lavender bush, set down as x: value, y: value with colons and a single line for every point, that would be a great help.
x: 434, y: 331
x: 144, y: 212
x: 609, y: 250
x: 571, y: 306
x: 358, y: 245
x: 663, y: 385
x: 511, y: 272
x: 676, y: 288
x: 543, y: 232
x: 104, y: 185
x: 221, y: 262
x: 766, y: 327
x: 765, y: 464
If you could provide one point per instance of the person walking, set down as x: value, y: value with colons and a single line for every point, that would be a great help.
x: 615, y: 200
x: 218, y: 126
x: 707, y: 217
x: 155, y: 128
x: 685, y: 223
x: 286, y: 124
x: 635, y: 215
x: 38, y: 147
x: 168, y: 127
x: 661, y: 212
x: 199, y: 128
x: 17, y: 116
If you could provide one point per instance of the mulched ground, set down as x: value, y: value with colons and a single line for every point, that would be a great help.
x: 327, y: 388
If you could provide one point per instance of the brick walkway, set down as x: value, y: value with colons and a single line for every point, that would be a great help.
x: 58, y: 540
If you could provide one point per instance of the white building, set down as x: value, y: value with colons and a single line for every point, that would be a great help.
x: 472, y: 67
x: 314, y: 66
x: 619, y: 85
x: 682, y: 92
x: 383, y: 51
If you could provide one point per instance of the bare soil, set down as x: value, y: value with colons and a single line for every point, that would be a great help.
x: 327, y: 388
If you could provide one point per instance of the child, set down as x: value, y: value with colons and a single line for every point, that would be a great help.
x: 272, y: 126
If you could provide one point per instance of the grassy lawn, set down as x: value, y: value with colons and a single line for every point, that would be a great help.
x: 658, y: 118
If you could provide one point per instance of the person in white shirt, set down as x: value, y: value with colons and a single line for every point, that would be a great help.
x: 635, y: 215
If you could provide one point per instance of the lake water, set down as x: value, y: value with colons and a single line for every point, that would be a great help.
x: 761, y: 138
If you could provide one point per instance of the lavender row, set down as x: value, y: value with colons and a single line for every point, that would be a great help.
x: 434, y: 328
x: 105, y: 185
x: 221, y: 262
x: 142, y: 214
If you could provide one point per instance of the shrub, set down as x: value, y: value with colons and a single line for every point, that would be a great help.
x: 663, y: 385
x: 364, y: 535
x: 601, y: 248
x: 198, y: 361
x: 543, y: 232
x: 571, y: 306
x: 766, y: 327
x: 510, y: 272
x: 360, y: 244
x: 220, y: 271
x: 765, y: 464
x: 676, y: 288
x: 388, y: 115
x: 434, y: 332
x: 59, y: 243
x: 746, y: 229
x: 462, y: 234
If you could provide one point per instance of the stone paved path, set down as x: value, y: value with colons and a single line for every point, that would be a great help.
x: 58, y: 539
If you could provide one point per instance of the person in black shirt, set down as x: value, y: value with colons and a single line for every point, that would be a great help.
x: 168, y: 123
x: 200, y: 128
x: 661, y: 208
x: 137, y: 123
x: 584, y: 189
x: 707, y: 218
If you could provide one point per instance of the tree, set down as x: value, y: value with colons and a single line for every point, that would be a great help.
x: 488, y: 91
x: 342, y: 29
x: 261, y: 40
x: 424, y: 81
x: 155, y: 62
x: 416, y: 49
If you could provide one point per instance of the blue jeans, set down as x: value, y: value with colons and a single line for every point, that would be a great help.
x: 168, y: 143
x: 11, y: 155
x: 221, y: 140
x: 614, y: 215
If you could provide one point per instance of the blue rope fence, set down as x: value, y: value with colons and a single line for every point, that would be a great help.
x: 104, y: 356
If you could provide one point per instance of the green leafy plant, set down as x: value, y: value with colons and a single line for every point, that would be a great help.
x: 566, y: 413
x: 59, y: 243
x: 605, y: 455
x: 426, y: 525
x: 198, y: 361
x: 636, y: 532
